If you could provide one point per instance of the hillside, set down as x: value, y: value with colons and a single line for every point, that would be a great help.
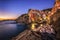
x: 56, y: 22
x: 22, y: 19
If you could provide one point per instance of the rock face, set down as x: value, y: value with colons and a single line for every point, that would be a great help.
x: 30, y: 35
x: 27, y: 35
x: 22, y: 19
x: 56, y: 23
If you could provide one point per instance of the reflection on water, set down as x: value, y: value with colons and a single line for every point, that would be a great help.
x: 10, y: 30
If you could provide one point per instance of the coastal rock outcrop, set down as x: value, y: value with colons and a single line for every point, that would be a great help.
x: 23, y: 18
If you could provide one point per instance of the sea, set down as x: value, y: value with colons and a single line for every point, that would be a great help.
x: 9, y: 29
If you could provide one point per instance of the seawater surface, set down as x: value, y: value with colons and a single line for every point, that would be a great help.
x: 9, y: 30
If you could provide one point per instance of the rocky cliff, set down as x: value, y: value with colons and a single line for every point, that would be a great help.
x: 22, y: 19
x: 56, y: 23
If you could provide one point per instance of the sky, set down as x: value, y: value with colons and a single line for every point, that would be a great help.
x: 10, y: 9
